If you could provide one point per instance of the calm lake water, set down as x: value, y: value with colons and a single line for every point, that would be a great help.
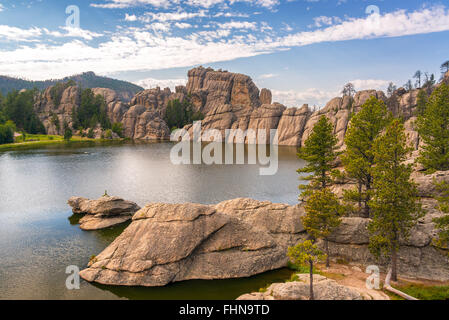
x: 38, y: 240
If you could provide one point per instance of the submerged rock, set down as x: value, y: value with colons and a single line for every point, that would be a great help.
x: 102, y: 213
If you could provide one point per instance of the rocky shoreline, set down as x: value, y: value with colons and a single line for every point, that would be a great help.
x: 237, y: 238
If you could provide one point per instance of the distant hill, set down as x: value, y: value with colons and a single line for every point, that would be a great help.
x: 126, y: 90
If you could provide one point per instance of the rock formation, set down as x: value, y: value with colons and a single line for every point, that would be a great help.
x: 174, y: 242
x: 239, y: 238
x: 228, y: 101
x: 102, y: 213
x: 324, y: 289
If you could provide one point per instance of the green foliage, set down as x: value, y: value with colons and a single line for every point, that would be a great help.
x: 117, y: 128
x: 108, y: 134
x: 54, y: 119
x: 18, y: 107
x: 442, y: 223
x: 57, y: 90
x: 358, y: 160
x: 7, y: 130
x: 180, y: 114
x: 433, y: 128
x: 323, y: 214
x: 395, y: 206
x: 85, y: 80
x: 305, y: 252
x: 319, y: 153
x: 421, y: 103
x: 422, y: 292
x: 68, y: 134
x: 92, y: 110
x: 90, y: 133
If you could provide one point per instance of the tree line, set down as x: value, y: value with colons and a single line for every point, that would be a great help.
x: 374, y: 158
x: 17, y: 114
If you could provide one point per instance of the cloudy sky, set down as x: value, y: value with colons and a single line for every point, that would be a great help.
x: 303, y: 50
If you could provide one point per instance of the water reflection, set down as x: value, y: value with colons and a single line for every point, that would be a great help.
x: 39, y: 237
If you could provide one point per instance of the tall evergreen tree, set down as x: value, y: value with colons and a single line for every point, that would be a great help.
x: 395, y: 207
x: 418, y: 77
x: 442, y: 223
x: 358, y: 160
x: 319, y: 152
x: 445, y: 67
x: 433, y: 128
x: 391, y: 89
x: 323, y: 216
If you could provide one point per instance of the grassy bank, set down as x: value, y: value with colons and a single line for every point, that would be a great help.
x: 422, y: 292
x: 36, y: 140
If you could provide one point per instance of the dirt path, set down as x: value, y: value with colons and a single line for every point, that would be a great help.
x: 355, y: 277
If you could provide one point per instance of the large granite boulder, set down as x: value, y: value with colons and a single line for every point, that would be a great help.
x: 174, y: 242
x: 102, y: 213
x: 324, y: 289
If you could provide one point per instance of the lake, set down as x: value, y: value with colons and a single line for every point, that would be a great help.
x: 39, y: 239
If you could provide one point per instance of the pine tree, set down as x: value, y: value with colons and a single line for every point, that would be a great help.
x: 358, y: 159
x: 323, y: 216
x: 442, y: 223
x: 433, y: 128
x: 306, y: 253
x: 395, y: 206
x: 319, y: 153
x: 421, y: 101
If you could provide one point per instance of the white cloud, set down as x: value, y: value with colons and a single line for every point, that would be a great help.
x: 267, y: 76
x: 395, y: 24
x: 132, y: 17
x: 238, y: 25
x: 153, y: 48
x: 367, y: 84
x: 120, y: 4
x: 17, y: 34
x: 1, y: 7
x: 312, y: 96
x: 71, y: 32
x: 149, y: 83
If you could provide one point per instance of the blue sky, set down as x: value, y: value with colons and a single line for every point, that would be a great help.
x: 303, y: 50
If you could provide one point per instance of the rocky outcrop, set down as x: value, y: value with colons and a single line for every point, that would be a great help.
x: 292, y: 124
x: 102, y: 213
x: 324, y: 289
x: 238, y: 238
x: 174, y: 242
x: 212, y: 89
x: 228, y: 101
x: 46, y: 108
x: 265, y: 96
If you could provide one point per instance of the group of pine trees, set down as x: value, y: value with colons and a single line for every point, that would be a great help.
x: 374, y: 158
x: 17, y: 113
x: 178, y: 114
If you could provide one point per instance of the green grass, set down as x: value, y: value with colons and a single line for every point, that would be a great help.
x: 36, y: 140
x: 423, y: 292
